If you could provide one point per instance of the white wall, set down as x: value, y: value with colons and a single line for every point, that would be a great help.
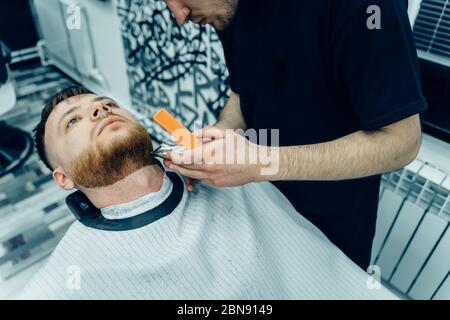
x: 83, y: 39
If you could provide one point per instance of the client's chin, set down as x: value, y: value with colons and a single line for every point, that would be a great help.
x: 103, y: 164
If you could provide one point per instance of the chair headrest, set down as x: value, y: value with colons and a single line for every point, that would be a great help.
x: 80, y: 205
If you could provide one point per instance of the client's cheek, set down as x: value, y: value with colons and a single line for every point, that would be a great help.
x: 74, y: 150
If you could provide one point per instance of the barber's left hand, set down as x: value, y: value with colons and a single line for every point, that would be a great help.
x: 219, y: 160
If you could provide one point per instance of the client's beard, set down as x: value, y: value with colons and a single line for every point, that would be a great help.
x: 103, y: 165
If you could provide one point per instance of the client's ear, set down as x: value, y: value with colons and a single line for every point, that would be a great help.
x: 61, y: 178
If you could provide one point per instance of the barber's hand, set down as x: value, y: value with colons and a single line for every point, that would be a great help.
x: 225, y: 159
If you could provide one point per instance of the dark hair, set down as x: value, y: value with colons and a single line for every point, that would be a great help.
x: 39, y: 130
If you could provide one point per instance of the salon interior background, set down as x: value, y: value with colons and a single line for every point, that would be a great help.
x: 133, y: 51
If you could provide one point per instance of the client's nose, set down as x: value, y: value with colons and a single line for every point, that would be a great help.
x: 100, y: 111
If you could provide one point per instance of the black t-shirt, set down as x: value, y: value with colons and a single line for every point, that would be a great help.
x: 314, y: 70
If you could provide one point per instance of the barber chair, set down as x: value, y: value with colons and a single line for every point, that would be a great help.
x: 15, y: 145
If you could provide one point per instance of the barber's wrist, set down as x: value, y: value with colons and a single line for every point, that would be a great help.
x: 222, y: 125
x: 289, y: 163
x: 269, y: 164
x: 230, y: 124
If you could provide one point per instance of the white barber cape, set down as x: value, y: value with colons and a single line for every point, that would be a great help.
x: 236, y: 243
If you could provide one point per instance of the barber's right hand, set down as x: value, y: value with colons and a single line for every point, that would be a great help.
x: 190, y: 182
x: 217, y: 162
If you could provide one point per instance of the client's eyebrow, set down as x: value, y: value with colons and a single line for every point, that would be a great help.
x: 74, y: 108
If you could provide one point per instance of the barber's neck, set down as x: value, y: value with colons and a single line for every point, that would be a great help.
x: 136, y: 185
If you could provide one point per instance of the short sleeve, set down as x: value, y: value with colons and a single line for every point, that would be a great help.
x: 225, y: 38
x: 377, y: 69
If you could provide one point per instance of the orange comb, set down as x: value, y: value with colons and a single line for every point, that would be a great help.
x: 182, y: 135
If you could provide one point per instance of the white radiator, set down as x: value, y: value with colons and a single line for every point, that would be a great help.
x: 412, y: 241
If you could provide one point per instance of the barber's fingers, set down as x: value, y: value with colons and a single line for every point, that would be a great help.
x: 195, y: 166
x: 203, y: 154
x: 189, y: 156
x: 194, y: 174
x: 210, y: 133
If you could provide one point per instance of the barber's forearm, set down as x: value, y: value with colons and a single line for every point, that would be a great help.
x: 231, y: 116
x: 357, y: 155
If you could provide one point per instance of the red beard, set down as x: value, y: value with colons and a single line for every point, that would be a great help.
x: 103, y: 165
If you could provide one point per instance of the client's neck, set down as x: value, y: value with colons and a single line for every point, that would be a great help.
x: 139, y: 183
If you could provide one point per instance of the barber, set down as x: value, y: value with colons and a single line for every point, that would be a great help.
x: 340, y: 80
